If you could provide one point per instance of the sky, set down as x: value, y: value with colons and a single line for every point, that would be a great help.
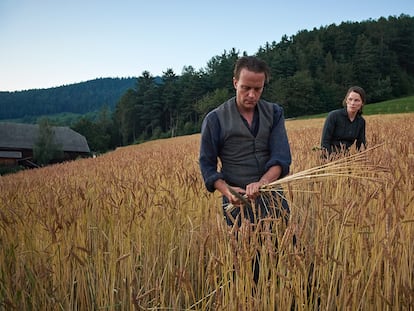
x: 50, y: 43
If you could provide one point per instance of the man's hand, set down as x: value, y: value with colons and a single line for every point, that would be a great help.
x: 235, y: 196
x: 253, y: 189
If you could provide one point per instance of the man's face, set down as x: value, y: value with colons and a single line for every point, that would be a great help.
x: 249, y: 88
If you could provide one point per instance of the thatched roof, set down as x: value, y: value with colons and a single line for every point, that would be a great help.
x: 24, y: 136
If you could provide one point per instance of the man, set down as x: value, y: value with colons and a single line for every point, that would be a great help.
x: 249, y: 137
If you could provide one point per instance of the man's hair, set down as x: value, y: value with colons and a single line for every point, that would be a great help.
x: 251, y: 63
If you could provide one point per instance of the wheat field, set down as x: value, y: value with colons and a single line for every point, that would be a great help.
x: 135, y: 229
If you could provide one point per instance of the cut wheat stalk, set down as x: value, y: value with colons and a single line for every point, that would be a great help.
x: 355, y: 166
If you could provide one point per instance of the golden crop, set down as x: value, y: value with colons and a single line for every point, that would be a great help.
x: 135, y: 229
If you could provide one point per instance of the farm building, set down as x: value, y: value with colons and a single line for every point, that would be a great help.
x: 17, y: 141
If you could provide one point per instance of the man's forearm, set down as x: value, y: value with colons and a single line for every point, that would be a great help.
x: 272, y: 174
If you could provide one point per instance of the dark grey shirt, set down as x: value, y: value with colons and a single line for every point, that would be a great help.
x: 339, y: 132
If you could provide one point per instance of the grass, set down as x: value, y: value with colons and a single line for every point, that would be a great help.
x: 401, y: 105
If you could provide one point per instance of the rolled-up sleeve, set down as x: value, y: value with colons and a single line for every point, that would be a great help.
x: 279, y: 144
x: 209, y: 149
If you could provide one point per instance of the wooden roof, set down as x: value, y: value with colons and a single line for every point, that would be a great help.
x: 24, y: 136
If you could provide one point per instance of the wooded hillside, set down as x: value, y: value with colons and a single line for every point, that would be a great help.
x: 78, y: 98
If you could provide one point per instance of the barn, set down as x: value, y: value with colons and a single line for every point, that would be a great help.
x: 17, y: 141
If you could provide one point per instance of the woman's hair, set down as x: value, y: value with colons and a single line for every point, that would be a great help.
x: 359, y: 90
x: 251, y: 63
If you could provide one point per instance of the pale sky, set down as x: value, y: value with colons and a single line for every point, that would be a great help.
x: 48, y: 43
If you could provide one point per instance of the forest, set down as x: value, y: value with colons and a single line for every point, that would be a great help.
x: 78, y: 98
x: 310, y: 73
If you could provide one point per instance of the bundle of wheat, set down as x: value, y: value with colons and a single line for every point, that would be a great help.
x: 357, y: 165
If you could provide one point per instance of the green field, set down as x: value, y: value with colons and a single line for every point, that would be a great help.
x: 400, y: 105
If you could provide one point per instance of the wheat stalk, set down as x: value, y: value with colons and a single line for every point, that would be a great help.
x: 352, y: 166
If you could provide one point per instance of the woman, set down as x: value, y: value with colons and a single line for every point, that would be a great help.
x: 346, y: 126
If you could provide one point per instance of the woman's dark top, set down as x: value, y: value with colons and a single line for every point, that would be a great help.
x: 339, y: 133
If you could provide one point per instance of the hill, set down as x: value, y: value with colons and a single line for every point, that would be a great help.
x: 78, y: 98
x: 400, y: 105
